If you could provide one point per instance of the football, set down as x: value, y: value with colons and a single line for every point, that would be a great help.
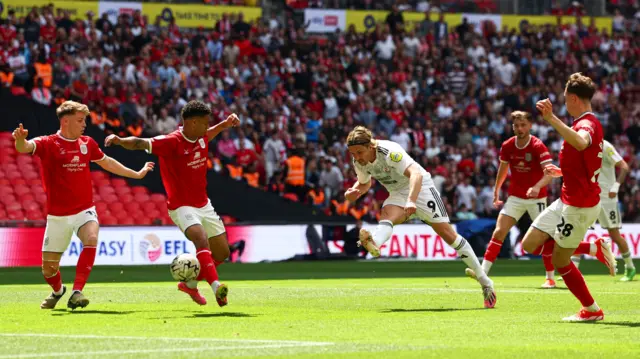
x: 185, y: 267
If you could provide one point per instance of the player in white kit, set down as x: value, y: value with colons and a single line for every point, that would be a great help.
x: 412, y: 194
x: 609, y: 217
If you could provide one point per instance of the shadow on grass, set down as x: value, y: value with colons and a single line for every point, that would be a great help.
x: 59, y: 312
x: 223, y: 314
x: 617, y: 324
x: 429, y: 310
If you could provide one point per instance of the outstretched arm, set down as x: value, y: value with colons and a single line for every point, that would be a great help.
x: 231, y: 121
x: 128, y: 143
x: 111, y: 165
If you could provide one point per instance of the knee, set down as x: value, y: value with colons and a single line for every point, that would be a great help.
x: 528, y: 245
x: 91, y: 240
x: 49, y: 269
x: 560, y: 262
x: 500, y: 233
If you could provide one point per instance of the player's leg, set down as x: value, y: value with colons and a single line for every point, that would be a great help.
x: 87, y: 228
x: 57, y: 236
x: 503, y: 226
x: 535, y: 208
x: 629, y: 268
x: 390, y: 215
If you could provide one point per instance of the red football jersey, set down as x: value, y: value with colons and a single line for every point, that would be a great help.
x: 183, y: 167
x: 66, y: 175
x: 580, y: 169
x: 526, y: 165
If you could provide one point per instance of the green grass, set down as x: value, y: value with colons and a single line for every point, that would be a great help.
x: 319, y: 310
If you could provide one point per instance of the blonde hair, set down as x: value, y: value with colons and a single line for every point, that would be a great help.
x: 520, y: 115
x: 70, y: 108
x: 360, y: 136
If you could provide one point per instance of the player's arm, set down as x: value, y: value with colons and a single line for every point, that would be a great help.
x: 579, y: 140
x: 362, y: 186
x: 20, y: 137
x: 624, y: 170
x: 112, y: 165
x: 231, y: 121
x: 128, y: 143
x: 415, y: 182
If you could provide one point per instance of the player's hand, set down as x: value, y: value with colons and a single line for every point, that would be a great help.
x: 111, y: 140
x: 352, y: 194
x: 410, y: 208
x: 232, y: 121
x: 546, y: 108
x: 612, y: 194
x: 497, y: 203
x: 20, y: 134
x: 147, y: 167
x: 553, y: 171
x: 533, y: 192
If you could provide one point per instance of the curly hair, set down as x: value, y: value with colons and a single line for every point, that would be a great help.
x: 195, y: 109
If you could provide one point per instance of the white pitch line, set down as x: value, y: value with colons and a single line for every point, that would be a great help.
x: 147, y: 351
x: 88, y: 336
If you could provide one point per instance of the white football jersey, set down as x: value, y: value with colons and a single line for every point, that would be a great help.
x: 607, y: 176
x: 388, y: 168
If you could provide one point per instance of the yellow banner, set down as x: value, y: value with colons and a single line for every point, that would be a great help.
x: 514, y: 21
x: 197, y: 15
x: 367, y: 20
x: 77, y: 9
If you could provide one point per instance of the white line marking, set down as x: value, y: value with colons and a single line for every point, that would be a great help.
x: 143, y: 351
x: 272, y: 342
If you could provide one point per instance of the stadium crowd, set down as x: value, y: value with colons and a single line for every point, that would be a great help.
x: 443, y: 93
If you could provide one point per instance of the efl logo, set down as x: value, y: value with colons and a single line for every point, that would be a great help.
x: 330, y: 20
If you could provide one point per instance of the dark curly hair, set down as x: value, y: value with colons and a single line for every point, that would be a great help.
x: 195, y: 109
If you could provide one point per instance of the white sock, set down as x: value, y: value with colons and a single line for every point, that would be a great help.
x: 193, y: 284
x: 215, y: 285
x: 60, y: 291
x: 486, y: 266
x: 593, y: 249
x: 550, y: 274
x: 383, y: 232
x: 628, y: 262
x: 469, y: 258
x: 593, y: 307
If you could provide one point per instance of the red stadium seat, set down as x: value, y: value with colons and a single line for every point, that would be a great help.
x: 162, y: 206
x: 31, y: 175
x: 125, y: 198
x: 5, y: 189
x: 108, y: 220
x: 104, y: 190
x: 21, y: 190
x: 141, y: 197
x: 100, y: 183
x: 15, y: 216
x: 35, y: 182
x: 158, y: 197
x: 35, y: 215
x: 4, y: 181
x: 19, y: 181
x: 8, y: 199
x: 148, y: 206
x: 14, y: 175
x: 154, y: 214
x: 41, y: 198
x: 29, y: 197
x: 109, y: 198
x: 132, y: 207
x: 30, y: 206
x: 117, y: 208
x: 126, y: 221
x: 140, y: 189
x: 98, y: 175
x: 101, y: 207
x: 119, y: 182
x: 124, y: 190
x: 3, y: 214
x: 97, y: 197
x: 13, y: 206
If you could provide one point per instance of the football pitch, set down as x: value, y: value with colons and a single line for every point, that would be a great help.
x: 320, y: 310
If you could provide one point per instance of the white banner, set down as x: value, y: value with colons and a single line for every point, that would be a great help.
x: 115, y: 9
x: 321, y: 20
x: 479, y: 21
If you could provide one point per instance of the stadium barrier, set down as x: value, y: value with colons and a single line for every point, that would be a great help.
x: 327, y: 21
x: 159, y: 245
x: 186, y: 15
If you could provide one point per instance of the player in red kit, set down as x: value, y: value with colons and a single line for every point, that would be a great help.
x: 526, y: 156
x: 183, y: 166
x: 567, y: 220
x: 65, y: 157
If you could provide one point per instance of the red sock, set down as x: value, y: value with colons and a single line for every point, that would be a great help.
x: 493, y: 250
x: 55, y: 282
x: 583, y: 248
x: 576, y: 284
x: 548, y: 264
x: 84, y: 266
x: 207, y: 268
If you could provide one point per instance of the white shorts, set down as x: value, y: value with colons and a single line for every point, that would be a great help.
x: 609, y: 217
x: 429, y: 206
x: 60, y: 229
x: 567, y: 225
x: 515, y: 207
x: 185, y: 217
